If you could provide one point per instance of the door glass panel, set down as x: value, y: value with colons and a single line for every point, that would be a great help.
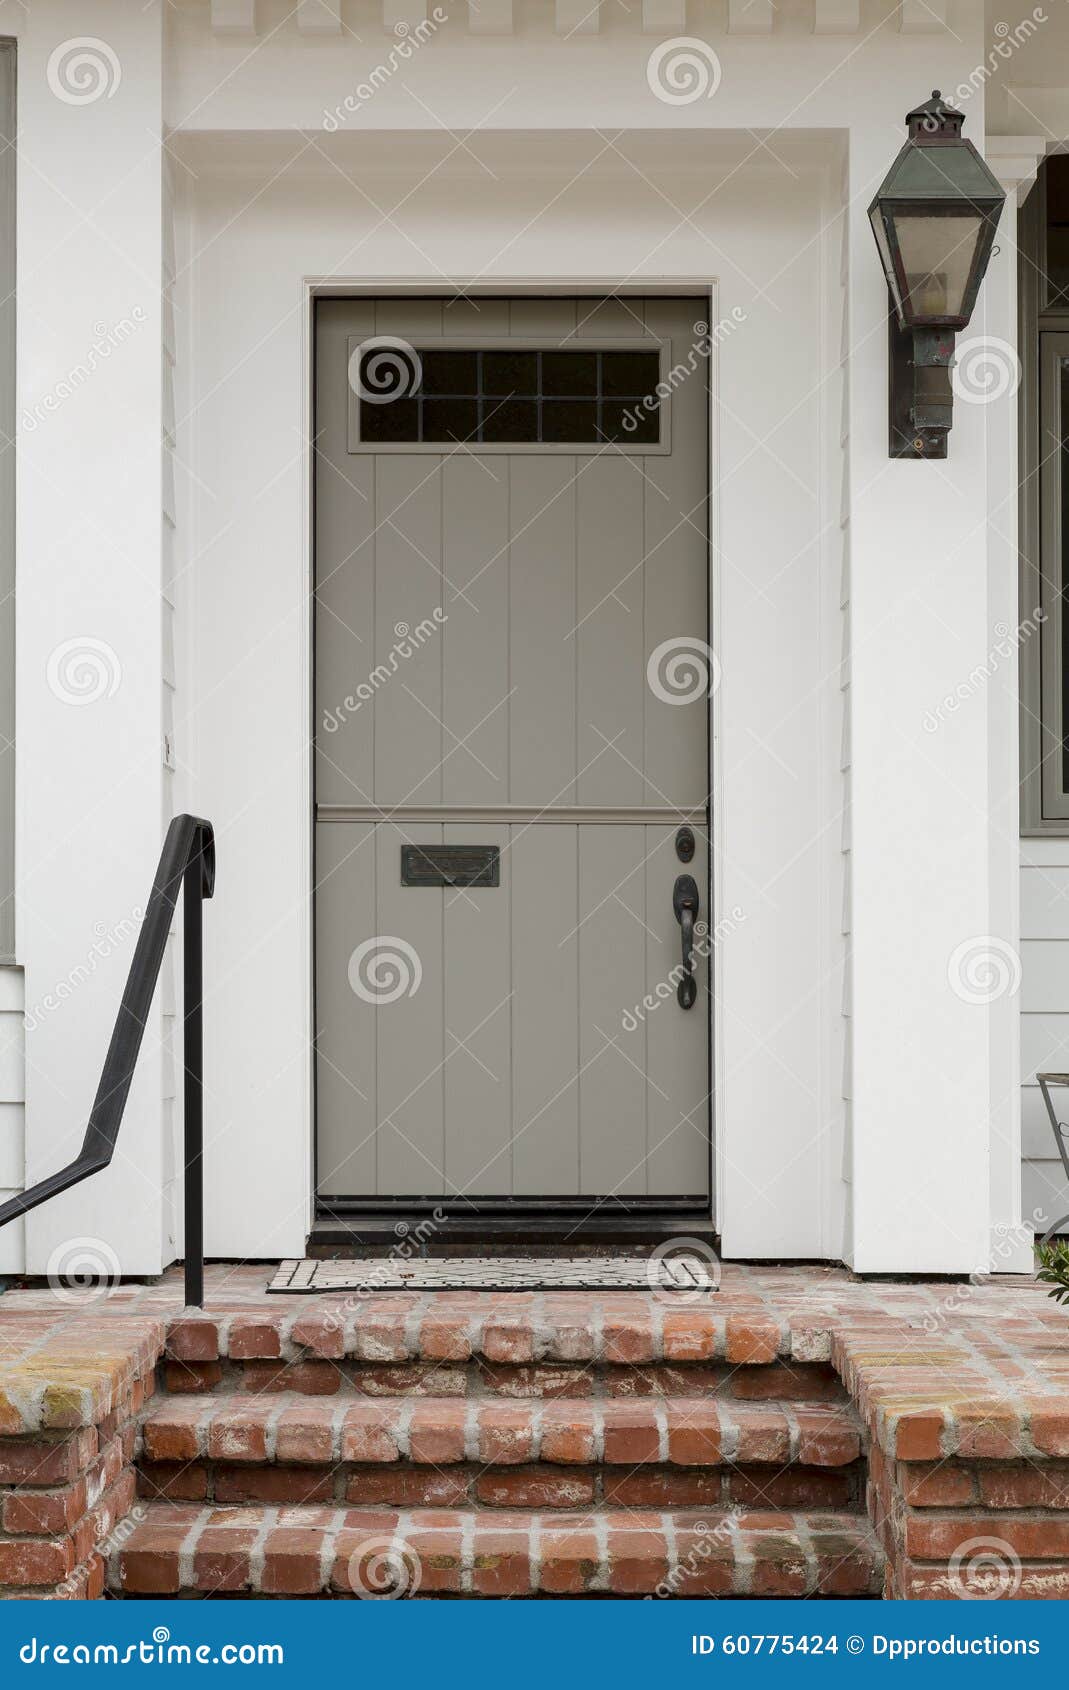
x: 1056, y: 175
x: 556, y: 398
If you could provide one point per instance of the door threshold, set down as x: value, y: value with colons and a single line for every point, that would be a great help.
x: 502, y: 1234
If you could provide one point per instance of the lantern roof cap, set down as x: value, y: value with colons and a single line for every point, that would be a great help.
x: 937, y: 163
x: 935, y: 118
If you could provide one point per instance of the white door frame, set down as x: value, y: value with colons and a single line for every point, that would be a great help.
x: 326, y: 287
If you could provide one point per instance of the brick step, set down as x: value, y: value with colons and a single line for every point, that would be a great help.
x: 440, y: 1452
x: 340, y: 1552
x: 457, y: 1345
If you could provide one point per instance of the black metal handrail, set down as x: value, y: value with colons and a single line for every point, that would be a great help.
x: 187, y: 862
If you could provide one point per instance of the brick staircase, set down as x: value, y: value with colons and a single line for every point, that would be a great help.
x: 562, y: 1450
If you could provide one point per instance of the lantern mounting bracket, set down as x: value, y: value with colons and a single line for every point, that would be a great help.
x: 920, y: 397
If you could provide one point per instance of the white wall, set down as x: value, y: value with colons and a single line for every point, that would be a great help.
x: 88, y: 537
x: 703, y: 196
x: 245, y: 502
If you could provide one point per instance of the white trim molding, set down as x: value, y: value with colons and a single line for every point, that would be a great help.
x: 1016, y: 159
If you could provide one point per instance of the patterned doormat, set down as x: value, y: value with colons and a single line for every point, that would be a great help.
x: 684, y: 1274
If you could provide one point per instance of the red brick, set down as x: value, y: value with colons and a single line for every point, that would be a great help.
x: 35, y: 1561
x: 1024, y: 1485
x: 505, y: 1434
x: 414, y: 1380
x: 273, y: 1484
x: 988, y: 1435
x: 535, y: 1487
x: 439, y: 1556
x: 238, y: 1432
x: 629, y: 1339
x: 690, y: 1335
x: 437, y: 1432
x: 935, y: 1537
x: 795, y: 1487
x: 292, y: 1562
x: 310, y: 1378
x: 183, y: 1481
x: 192, y: 1377
x: 305, y: 1433
x: 918, y: 1436
x: 508, y: 1340
x: 444, y: 1340
x: 538, y: 1379
x: 46, y: 1463
x: 638, y: 1559
x: 253, y: 1338
x: 193, y: 1340
x: 763, y: 1435
x: 221, y: 1558
x: 409, y: 1487
x: 502, y: 1563
x: 570, y: 1560
x: 567, y: 1433
x: 779, y: 1564
x: 662, y: 1487
x: 942, y: 1485
x: 323, y: 1334
x: 44, y: 1513
x: 751, y: 1341
x: 631, y: 1433
x: 826, y: 1439
x: 1049, y: 1426
x: 381, y: 1337
x: 694, y: 1434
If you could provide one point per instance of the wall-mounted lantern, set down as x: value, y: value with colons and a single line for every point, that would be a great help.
x: 934, y: 219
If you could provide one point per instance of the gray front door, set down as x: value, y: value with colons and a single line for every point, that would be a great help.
x: 511, y: 627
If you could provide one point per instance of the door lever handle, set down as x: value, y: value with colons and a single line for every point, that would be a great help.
x: 685, y: 908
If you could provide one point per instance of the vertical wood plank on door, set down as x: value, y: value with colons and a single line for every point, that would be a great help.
x: 475, y: 638
x: 609, y: 636
x: 545, y: 1010
x: 408, y: 588
x: 612, y: 981
x: 345, y: 1026
x: 542, y: 719
x: 677, y: 565
x: 344, y: 567
x: 478, y: 1026
x: 542, y: 587
x: 409, y: 1031
x: 677, y: 1158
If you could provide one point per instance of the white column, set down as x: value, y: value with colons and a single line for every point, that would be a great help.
x: 90, y: 790
x: 989, y: 349
x: 921, y: 802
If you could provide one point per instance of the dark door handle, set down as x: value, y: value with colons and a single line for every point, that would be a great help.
x: 685, y: 907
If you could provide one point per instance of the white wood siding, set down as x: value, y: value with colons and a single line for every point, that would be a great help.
x: 1044, y: 1019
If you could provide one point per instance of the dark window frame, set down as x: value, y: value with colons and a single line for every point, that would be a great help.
x: 544, y: 400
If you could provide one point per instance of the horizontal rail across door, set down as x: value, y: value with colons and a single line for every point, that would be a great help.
x: 569, y: 815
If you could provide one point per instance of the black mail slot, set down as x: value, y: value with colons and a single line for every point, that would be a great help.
x: 450, y: 865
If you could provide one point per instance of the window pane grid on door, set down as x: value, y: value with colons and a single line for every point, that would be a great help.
x: 558, y: 397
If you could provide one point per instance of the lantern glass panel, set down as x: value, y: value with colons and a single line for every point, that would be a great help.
x: 937, y: 257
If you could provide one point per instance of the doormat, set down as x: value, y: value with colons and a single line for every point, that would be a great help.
x: 682, y: 1274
